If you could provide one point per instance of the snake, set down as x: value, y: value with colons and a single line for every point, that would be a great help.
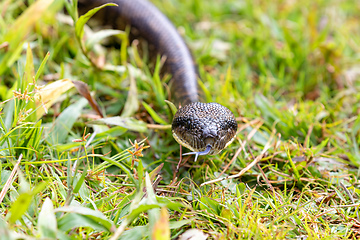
x: 204, y: 128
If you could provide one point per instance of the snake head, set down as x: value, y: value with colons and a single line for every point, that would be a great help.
x: 204, y: 128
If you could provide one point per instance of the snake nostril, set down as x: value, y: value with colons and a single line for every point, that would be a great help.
x: 209, y: 132
x: 213, y: 133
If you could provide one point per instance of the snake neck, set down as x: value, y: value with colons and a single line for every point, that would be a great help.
x: 148, y: 23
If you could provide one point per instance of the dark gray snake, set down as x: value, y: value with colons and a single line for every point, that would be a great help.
x: 204, y: 128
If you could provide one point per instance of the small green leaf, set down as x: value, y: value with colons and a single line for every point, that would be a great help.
x: 142, y: 208
x: 65, y: 122
x: 241, y: 189
x: 153, y: 114
x: 173, y: 205
x: 210, y: 205
x: 29, y: 66
x: 80, y: 181
x: 42, y: 65
x: 19, y: 207
x: 227, y: 213
x: 226, y: 87
x: 297, y: 175
x: 111, y: 132
x: 340, y: 195
x: 172, y: 107
x: 301, y: 165
x: 79, y: 26
x: 28, y: 78
x: 179, y: 224
x: 314, y: 171
x: 132, y: 102
x: 81, y: 216
x: 158, y: 87
x: 23, y: 201
x: 140, y: 171
x: 321, y: 146
x: 47, y: 221
x: 151, y: 198
x: 73, y: 220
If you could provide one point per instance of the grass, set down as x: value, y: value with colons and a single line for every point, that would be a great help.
x: 289, y: 71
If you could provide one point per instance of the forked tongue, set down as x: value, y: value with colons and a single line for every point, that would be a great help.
x: 206, y: 151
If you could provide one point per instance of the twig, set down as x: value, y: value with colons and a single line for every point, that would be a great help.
x: 178, y: 166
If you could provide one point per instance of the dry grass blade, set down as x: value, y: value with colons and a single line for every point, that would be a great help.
x: 351, y: 197
x: 256, y: 160
x: 8, y: 182
x: 242, y: 147
x: 50, y: 93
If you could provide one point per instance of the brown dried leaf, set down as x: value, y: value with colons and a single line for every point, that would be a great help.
x: 84, y: 91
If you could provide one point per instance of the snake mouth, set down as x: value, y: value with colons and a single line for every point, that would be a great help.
x: 209, y: 141
x: 197, y: 154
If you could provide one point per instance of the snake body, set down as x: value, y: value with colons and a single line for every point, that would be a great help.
x: 204, y: 128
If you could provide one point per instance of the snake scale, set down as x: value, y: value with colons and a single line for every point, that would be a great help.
x: 204, y: 128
